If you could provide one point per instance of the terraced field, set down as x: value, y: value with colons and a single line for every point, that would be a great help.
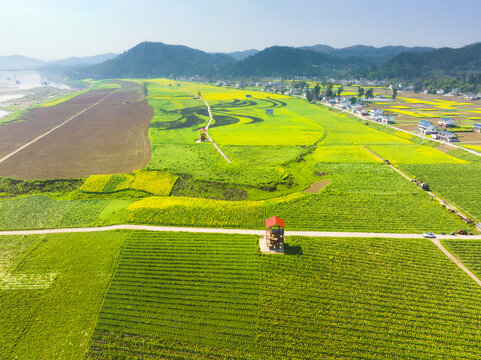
x: 185, y: 296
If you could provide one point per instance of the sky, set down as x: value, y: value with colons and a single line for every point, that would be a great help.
x: 56, y: 29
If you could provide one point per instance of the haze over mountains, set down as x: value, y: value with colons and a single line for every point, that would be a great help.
x: 156, y: 59
x: 20, y: 62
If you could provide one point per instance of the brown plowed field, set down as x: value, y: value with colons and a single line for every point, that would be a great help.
x: 12, y: 136
x: 111, y: 137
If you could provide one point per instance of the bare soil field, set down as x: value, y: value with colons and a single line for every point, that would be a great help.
x: 110, y: 137
x: 40, y: 120
x: 317, y: 186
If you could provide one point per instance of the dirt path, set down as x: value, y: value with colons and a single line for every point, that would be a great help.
x: 456, y: 261
x: 207, y: 131
x: 335, y: 234
x: 54, y: 128
x: 317, y: 186
x: 211, y: 118
x: 443, y: 202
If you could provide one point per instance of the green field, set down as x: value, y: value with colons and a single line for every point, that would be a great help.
x: 51, y: 289
x: 144, y: 295
x: 274, y: 159
x: 184, y: 296
x: 459, y: 183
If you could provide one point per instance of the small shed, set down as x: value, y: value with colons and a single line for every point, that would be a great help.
x: 248, y: 96
x: 275, y: 233
x: 477, y: 128
x: 269, y: 111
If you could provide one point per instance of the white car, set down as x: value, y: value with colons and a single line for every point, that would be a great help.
x: 429, y: 235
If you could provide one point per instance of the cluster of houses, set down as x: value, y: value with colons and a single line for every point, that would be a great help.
x: 427, y: 128
x: 379, y: 116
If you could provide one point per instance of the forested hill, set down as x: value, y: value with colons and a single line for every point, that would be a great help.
x: 441, y: 63
x: 150, y: 59
x: 371, y: 54
x: 288, y: 61
x: 155, y: 59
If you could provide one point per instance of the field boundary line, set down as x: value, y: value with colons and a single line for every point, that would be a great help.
x: 255, y: 232
x: 456, y: 261
x: 54, y: 128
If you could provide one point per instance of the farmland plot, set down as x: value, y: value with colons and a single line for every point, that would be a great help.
x: 111, y: 137
x: 55, y: 321
x: 458, y: 183
x: 188, y: 296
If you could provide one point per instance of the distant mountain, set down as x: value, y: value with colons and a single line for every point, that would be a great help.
x: 241, y: 55
x: 155, y: 59
x: 326, y: 49
x: 87, y: 60
x: 441, y: 63
x: 374, y: 55
x: 19, y: 62
x: 288, y: 61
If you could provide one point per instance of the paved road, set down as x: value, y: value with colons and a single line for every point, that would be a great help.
x: 261, y: 233
x: 54, y: 128
x: 406, y: 131
x: 233, y: 231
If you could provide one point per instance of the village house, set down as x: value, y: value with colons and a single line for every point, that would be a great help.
x: 426, y: 128
x: 386, y: 120
x: 477, y: 128
x: 446, y: 136
x: 446, y: 122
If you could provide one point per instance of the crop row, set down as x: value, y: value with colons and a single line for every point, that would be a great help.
x: 181, y: 287
x: 458, y: 183
x: 326, y: 298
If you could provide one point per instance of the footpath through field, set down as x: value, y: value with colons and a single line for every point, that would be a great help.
x: 443, y: 202
x: 211, y: 118
x: 55, y: 128
x: 261, y: 233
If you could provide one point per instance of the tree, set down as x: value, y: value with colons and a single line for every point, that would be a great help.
x: 310, y: 95
x: 353, y: 100
x: 394, y: 92
x: 360, y: 91
x: 370, y: 94
x: 329, y: 93
x: 317, y: 90
x: 340, y: 90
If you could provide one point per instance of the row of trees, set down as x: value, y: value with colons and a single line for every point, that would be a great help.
x: 330, y: 92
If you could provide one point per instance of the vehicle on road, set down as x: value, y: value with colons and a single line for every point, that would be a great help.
x: 429, y: 235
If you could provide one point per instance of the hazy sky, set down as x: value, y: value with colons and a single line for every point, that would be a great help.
x: 53, y: 29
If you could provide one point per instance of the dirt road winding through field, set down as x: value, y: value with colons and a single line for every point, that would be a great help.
x: 211, y: 118
x: 207, y: 131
